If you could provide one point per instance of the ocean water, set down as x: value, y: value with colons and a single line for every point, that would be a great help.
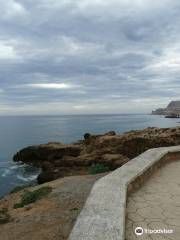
x: 19, y: 132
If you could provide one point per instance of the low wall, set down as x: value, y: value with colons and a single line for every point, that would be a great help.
x: 103, y: 216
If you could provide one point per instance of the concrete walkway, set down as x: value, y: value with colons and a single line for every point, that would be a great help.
x: 156, y: 206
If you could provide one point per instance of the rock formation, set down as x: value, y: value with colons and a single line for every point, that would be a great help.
x: 58, y: 160
x: 173, y: 109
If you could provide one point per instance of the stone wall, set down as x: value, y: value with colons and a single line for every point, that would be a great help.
x: 103, y: 216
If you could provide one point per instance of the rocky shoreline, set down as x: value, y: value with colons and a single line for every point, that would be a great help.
x: 111, y: 150
x: 68, y: 193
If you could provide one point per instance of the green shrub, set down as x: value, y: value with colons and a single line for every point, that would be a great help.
x: 18, y: 205
x: 18, y: 189
x: 98, y: 168
x: 74, y: 209
x: 29, y: 197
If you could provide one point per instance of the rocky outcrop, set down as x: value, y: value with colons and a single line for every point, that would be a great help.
x: 57, y: 160
x: 172, y: 109
x: 47, y: 153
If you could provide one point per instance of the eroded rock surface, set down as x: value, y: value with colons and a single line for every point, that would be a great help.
x: 57, y: 159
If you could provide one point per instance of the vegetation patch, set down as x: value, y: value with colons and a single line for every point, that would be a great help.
x: 19, y: 188
x: 29, y: 197
x: 98, y: 168
x: 74, y: 209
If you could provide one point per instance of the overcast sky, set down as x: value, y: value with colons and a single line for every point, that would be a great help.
x: 88, y: 56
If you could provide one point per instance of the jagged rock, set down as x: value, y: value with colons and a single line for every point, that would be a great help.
x: 57, y: 159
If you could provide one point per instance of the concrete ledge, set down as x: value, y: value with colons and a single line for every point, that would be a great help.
x: 103, y: 216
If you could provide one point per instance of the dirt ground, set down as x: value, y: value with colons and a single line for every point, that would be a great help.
x: 50, y: 218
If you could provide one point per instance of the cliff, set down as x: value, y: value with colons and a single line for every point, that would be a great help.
x: 173, y: 108
x: 174, y: 105
x: 110, y: 150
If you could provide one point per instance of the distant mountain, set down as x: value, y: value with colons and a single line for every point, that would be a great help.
x: 172, y: 109
x: 174, y: 105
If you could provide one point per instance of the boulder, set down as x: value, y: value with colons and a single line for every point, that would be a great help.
x: 87, y: 136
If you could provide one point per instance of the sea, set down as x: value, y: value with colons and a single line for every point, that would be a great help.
x: 17, y: 132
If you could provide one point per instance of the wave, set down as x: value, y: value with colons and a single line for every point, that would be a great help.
x: 9, y: 170
x: 14, y: 167
x: 6, y: 172
x: 20, y: 172
x: 27, y: 179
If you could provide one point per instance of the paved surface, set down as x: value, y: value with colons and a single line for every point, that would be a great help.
x: 156, y: 205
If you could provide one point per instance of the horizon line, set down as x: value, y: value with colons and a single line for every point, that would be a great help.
x: 80, y: 114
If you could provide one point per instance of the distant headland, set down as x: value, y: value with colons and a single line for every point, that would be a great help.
x: 171, y: 111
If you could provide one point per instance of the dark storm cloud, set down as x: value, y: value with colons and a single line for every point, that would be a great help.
x: 82, y: 56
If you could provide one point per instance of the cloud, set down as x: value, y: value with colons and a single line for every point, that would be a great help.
x: 11, y: 9
x: 88, y: 56
x: 169, y: 61
x: 50, y: 85
x: 7, y: 51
